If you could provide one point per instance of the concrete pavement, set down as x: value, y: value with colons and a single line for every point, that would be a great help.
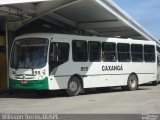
x: 143, y: 101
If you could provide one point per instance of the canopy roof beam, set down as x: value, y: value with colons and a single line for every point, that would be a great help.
x: 63, y: 19
x: 101, y: 25
x: 51, y: 6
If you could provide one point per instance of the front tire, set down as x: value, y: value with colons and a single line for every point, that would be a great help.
x: 74, y: 87
x: 132, y: 83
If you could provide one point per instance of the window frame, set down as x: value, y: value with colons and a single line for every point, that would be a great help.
x: 129, y: 52
x: 137, y: 52
x: 68, y: 49
x: 89, y: 51
x: 86, y: 55
x: 149, y: 53
x: 58, y: 51
x: 113, y: 52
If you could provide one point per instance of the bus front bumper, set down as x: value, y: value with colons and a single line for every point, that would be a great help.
x: 31, y: 84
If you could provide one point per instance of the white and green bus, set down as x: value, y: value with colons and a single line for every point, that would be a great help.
x: 48, y: 61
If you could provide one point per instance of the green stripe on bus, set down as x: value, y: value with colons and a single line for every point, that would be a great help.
x: 31, y: 84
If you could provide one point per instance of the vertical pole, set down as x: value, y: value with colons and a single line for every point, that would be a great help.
x: 7, y: 54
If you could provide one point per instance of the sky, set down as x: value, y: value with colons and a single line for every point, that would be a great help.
x: 145, y: 12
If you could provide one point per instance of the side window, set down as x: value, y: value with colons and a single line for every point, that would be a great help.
x: 109, y: 51
x: 158, y: 54
x: 63, y: 52
x: 149, y: 53
x: 123, y: 50
x: 158, y: 49
x: 137, y: 52
x: 79, y: 51
x: 94, y: 51
x: 59, y: 52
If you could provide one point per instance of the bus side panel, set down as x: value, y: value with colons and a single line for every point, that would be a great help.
x: 100, y: 75
x: 61, y: 77
x: 145, y: 78
x: 56, y: 83
x: 105, y: 81
x: 146, y: 72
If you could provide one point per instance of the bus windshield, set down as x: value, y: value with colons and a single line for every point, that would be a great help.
x: 29, y: 53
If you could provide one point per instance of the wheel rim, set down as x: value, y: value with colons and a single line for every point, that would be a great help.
x: 132, y: 82
x: 73, y: 86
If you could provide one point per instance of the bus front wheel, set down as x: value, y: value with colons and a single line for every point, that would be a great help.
x: 74, y: 87
x: 132, y: 83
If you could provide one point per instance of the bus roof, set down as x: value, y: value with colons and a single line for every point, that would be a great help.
x: 80, y: 37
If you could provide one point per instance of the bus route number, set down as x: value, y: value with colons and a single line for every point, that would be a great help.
x: 84, y: 68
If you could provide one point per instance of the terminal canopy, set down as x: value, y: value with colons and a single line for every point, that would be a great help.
x: 92, y: 17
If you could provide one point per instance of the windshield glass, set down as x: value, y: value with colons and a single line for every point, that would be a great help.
x: 29, y: 53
